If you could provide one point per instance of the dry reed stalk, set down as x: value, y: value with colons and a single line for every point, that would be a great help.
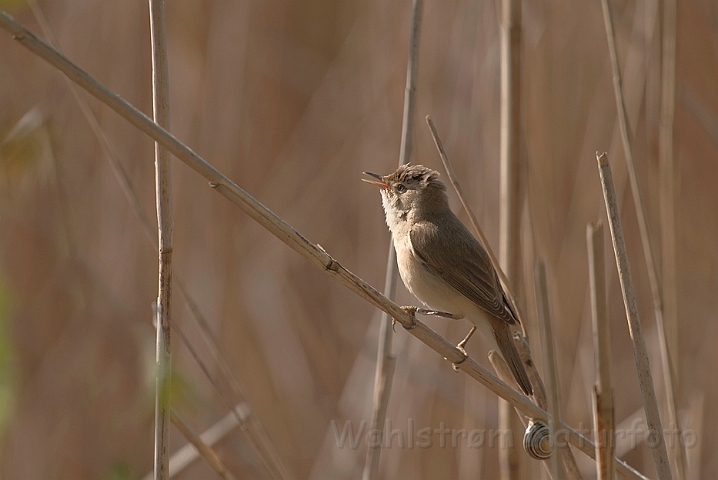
x: 448, y: 167
x: 547, y: 345
x: 667, y: 176
x: 163, y: 189
x: 677, y: 453
x: 603, y: 419
x: 668, y: 334
x: 386, y: 362
x: 472, y: 218
x: 650, y: 403
x: 293, y: 239
x: 251, y: 427
x: 510, y: 193
x: 203, y: 449
x: 382, y: 392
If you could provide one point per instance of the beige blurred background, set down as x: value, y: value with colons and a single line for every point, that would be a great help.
x: 293, y: 100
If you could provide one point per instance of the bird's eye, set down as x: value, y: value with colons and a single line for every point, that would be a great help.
x: 401, y: 188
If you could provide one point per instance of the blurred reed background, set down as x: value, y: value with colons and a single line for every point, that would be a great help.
x: 293, y: 100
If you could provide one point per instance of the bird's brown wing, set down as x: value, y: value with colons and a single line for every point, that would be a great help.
x: 460, y: 260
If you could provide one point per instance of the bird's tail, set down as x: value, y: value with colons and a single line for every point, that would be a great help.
x: 505, y: 341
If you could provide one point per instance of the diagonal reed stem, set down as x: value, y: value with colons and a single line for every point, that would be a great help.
x: 650, y: 404
x: 472, y: 218
x: 205, y: 451
x: 184, y: 456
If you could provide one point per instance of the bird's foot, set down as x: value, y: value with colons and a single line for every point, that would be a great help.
x: 412, y: 311
x: 460, y: 346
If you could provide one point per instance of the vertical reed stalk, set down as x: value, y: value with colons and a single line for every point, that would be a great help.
x: 551, y: 371
x: 161, y: 114
x: 510, y: 197
x: 667, y: 173
x: 669, y: 334
x: 603, y: 416
x: 385, y: 360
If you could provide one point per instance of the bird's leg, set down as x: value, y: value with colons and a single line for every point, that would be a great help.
x: 412, y: 311
x: 463, y: 343
x: 437, y: 313
x: 461, y: 346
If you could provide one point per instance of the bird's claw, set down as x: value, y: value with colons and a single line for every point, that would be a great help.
x: 411, y: 310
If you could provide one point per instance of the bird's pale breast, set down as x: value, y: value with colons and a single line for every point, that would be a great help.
x: 433, y: 291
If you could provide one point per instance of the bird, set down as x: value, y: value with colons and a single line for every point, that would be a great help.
x: 442, y: 264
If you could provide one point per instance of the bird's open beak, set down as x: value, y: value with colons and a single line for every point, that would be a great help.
x: 381, y: 183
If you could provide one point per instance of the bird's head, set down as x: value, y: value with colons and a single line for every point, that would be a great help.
x: 411, y: 191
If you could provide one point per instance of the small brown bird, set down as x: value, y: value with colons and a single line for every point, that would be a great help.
x: 441, y: 263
